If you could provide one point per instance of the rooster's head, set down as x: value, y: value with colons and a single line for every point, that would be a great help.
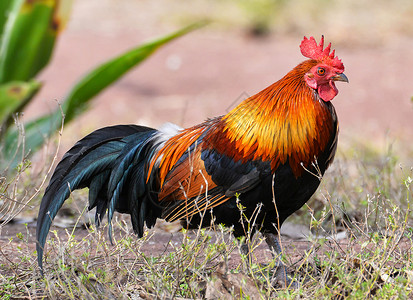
x: 326, y: 71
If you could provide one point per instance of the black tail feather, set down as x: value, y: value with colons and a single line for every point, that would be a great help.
x: 97, y: 162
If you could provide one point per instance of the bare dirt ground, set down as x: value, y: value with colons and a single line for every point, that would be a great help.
x: 163, y: 239
x: 206, y: 73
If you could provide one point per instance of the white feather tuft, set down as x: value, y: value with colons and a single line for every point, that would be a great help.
x: 165, y: 132
x: 168, y: 130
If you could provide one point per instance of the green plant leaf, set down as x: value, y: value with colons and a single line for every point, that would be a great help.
x: 23, y: 140
x: 5, y: 7
x: 14, y: 95
x: 28, y: 39
x: 37, y: 131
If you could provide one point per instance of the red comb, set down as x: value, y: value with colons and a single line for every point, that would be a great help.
x: 310, y: 49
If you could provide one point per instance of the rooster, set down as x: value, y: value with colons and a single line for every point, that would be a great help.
x: 265, y: 157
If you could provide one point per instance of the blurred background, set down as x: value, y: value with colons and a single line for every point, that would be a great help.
x: 247, y: 46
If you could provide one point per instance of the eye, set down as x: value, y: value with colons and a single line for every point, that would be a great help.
x: 321, y: 71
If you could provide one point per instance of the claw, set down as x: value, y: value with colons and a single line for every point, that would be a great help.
x: 281, y: 277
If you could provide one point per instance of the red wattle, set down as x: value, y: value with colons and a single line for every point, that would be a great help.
x: 327, y: 91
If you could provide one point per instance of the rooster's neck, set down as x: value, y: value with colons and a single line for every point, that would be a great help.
x: 287, y: 121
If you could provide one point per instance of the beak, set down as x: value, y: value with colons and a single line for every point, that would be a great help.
x: 340, y: 77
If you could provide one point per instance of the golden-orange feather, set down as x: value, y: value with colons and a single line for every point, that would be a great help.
x: 173, y: 149
x: 280, y: 123
x: 189, y: 180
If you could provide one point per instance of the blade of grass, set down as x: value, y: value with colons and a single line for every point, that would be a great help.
x: 14, y: 95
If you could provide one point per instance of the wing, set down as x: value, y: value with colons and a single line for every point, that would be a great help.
x: 189, y: 189
x: 234, y: 176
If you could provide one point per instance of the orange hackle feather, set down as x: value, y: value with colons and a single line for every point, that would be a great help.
x: 279, y: 124
x: 188, y: 180
x: 173, y: 149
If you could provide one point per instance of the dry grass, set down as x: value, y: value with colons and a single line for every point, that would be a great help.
x: 368, y: 199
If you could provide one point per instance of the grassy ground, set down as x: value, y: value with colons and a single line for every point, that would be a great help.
x: 365, y: 199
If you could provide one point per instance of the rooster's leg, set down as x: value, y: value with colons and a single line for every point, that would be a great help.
x: 281, y: 275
